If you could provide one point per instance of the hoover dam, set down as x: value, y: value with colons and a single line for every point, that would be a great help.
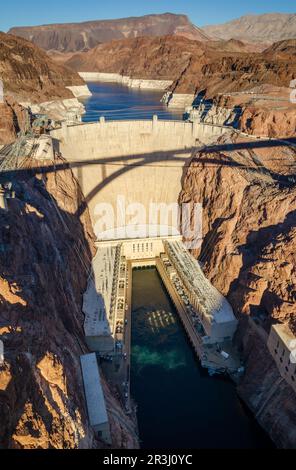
x: 122, y: 156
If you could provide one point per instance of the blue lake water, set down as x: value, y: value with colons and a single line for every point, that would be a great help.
x: 179, y: 404
x: 117, y: 102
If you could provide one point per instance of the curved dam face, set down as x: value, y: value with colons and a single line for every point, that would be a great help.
x: 130, y: 165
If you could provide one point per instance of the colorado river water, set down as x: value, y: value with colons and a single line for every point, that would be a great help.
x: 179, y: 405
x: 117, y: 102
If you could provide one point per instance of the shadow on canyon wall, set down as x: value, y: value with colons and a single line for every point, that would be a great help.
x: 251, y: 252
x: 41, y: 310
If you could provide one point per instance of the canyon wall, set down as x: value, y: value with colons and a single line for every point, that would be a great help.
x: 46, y: 252
x: 14, y: 118
x: 31, y: 78
x: 263, y: 111
x: 28, y: 73
x: 248, y: 253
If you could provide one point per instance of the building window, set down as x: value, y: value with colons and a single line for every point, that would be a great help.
x: 293, y: 378
x: 286, y: 368
x: 275, y: 351
x: 281, y: 359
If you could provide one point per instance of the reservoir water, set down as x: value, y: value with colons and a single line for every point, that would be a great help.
x: 117, y: 102
x: 179, y: 405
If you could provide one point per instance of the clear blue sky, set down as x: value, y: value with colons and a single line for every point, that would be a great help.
x: 34, y: 12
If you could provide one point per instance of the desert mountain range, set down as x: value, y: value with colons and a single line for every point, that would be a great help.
x: 72, y: 37
x: 267, y: 28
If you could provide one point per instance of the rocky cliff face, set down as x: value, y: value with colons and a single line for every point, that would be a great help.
x: 265, y: 28
x: 262, y: 121
x: 263, y: 111
x: 13, y: 119
x: 46, y: 251
x: 248, y: 253
x: 29, y: 74
x: 151, y: 58
x: 83, y: 36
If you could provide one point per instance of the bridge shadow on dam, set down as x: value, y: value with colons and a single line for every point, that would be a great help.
x: 168, y: 158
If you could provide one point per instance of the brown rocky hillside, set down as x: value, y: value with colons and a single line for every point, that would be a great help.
x: 267, y: 28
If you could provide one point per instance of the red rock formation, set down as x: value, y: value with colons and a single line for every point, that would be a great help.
x: 269, y: 122
x: 13, y: 119
x: 46, y: 251
x: 144, y: 57
x: 29, y: 74
x: 264, y: 110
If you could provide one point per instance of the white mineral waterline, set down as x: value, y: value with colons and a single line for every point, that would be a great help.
x: 125, y: 80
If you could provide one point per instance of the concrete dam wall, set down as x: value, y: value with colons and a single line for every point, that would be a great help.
x: 141, y: 162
